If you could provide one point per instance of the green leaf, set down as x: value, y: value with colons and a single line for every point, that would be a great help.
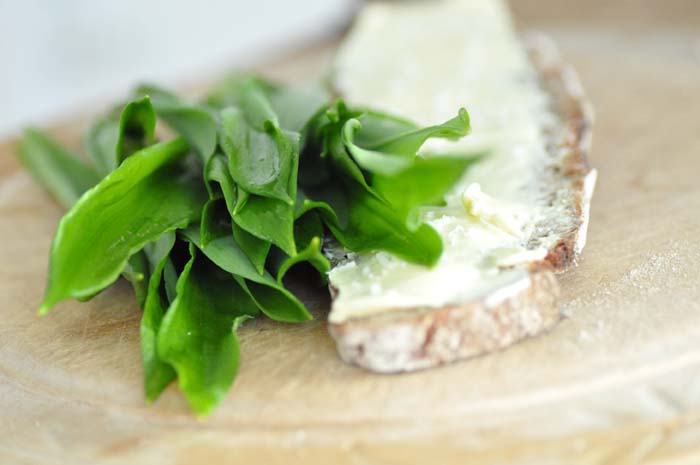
x: 311, y: 254
x: 216, y: 171
x: 259, y: 161
x: 373, y: 225
x: 270, y: 220
x: 242, y: 197
x: 374, y: 160
x: 170, y: 276
x: 274, y: 303
x: 343, y: 163
x: 196, y: 336
x: 137, y: 272
x: 424, y: 183
x: 379, y: 126
x: 157, y: 373
x: 61, y: 173
x: 239, y: 320
x: 256, y: 249
x: 306, y: 228
x: 412, y: 141
x: 192, y: 122
x: 255, y: 104
x: 145, y: 197
x: 330, y: 201
x: 324, y: 154
x: 227, y: 255
x: 308, y: 234
x: 213, y: 215
x: 294, y: 107
x: 137, y: 128
x: 389, y: 156
x: 291, y: 107
x: 377, y: 183
x: 101, y: 144
x: 227, y: 92
x: 105, y: 134
x: 119, y: 134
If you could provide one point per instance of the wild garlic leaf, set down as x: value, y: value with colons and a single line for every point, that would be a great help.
x: 59, y: 171
x: 374, y: 160
x: 227, y: 92
x: 308, y: 235
x: 213, y: 214
x: 292, y: 107
x: 256, y: 249
x: 424, y: 183
x: 314, y: 170
x: 260, y: 161
x: 195, y: 123
x: 242, y: 197
x: 137, y: 128
x: 227, y: 255
x: 216, y: 174
x: 305, y: 205
x: 101, y: 144
x: 412, y: 141
x: 196, y: 335
x: 325, y: 162
x: 373, y: 225
x: 170, y: 275
x: 157, y: 373
x: 120, y: 133
x: 380, y: 126
x: 312, y: 254
x: 342, y: 160
x: 276, y: 304
x: 388, y: 156
x: 218, y: 180
x: 143, y: 198
x: 270, y: 220
x: 306, y: 228
x: 372, y: 219
x: 255, y: 104
x: 137, y: 273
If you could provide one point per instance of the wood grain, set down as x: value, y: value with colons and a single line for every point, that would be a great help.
x: 617, y: 382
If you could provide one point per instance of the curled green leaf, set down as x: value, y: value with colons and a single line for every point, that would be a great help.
x: 145, y: 197
x: 388, y: 156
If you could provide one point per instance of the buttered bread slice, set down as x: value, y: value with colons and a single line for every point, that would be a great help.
x: 518, y: 215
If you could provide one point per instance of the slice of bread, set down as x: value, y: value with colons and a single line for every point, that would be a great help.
x: 522, y: 302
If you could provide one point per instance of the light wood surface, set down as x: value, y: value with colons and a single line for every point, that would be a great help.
x: 618, y: 382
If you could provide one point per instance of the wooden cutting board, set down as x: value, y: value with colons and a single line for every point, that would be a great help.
x: 617, y: 382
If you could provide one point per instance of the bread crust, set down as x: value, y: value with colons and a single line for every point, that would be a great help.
x: 571, y: 175
x: 417, y: 338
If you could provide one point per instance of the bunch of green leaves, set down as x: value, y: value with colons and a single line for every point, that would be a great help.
x: 206, y: 223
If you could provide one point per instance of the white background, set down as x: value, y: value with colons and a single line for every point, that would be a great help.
x: 56, y: 56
